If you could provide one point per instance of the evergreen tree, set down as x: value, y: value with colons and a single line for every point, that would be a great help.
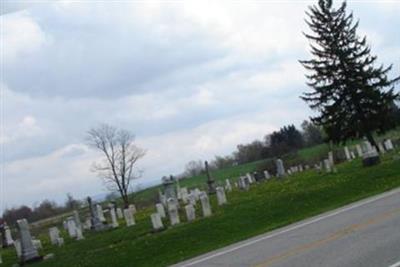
x: 353, y: 96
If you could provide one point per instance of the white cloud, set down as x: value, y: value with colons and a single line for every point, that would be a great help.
x: 20, y: 36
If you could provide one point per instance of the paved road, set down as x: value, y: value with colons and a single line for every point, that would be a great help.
x: 365, y: 233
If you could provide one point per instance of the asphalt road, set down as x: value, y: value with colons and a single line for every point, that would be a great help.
x: 365, y: 233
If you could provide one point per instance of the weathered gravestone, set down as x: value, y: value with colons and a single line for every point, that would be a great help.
x: 267, y: 175
x: 184, y: 195
x: 129, y: 219
x: 132, y: 207
x: 160, y: 210
x: 280, y: 169
x: 7, y: 239
x: 205, y: 204
x: 228, y: 185
x: 114, y: 221
x: 156, y: 221
x: 347, y: 153
x: 210, y: 180
x: 190, y: 212
x: 221, y: 197
x: 55, y: 238
x: 327, y: 165
x: 173, y: 211
x: 388, y: 144
x: 100, y: 213
x: 371, y: 158
x: 78, y: 226
x: 381, y: 149
x: 29, y: 252
x: 71, y: 227
x: 96, y: 223
x: 169, y: 188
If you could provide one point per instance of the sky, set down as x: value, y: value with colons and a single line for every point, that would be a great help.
x: 190, y: 79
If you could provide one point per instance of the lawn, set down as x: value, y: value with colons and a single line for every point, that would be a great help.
x: 266, y: 206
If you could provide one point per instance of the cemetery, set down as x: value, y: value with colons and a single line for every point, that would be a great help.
x: 198, y: 215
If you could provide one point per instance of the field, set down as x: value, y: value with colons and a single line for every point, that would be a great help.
x: 266, y: 206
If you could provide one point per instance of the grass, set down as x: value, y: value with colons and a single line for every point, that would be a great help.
x: 265, y: 207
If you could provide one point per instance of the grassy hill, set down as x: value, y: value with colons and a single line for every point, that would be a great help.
x: 266, y: 206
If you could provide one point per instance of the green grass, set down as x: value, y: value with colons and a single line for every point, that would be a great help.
x: 265, y: 207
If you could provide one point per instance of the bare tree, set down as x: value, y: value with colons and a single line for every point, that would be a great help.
x: 117, y: 169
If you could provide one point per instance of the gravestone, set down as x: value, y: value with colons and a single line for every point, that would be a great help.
x: 129, y: 219
x: 210, y: 180
x: 178, y: 190
x: 7, y: 237
x: 78, y: 226
x: 71, y: 227
x: 192, y: 198
x: 367, y: 146
x: 359, y: 151
x: 267, y: 175
x: 280, y: 169
x: 37, y: 244
x: 327, y: 165
x: 388, y: 144
x: 169, y: 188
x: 184, y: 195
x: 228, y: 185
x: 29, y: 252
x: 54, y: 234
x: 173, y: 212
x: 330, y: 158
x: 114, y: 221
x: 156, y: 221
x: 160, y: 209
x: 100, y: 213
x: 205, y: 205
x: 96, y: 223
x: 371, y: 158
x: 347, y: 153
x: 162, y: 198
x: 119, y: 213
x: 17, y: 246
x: 249, y: 178
x: 221, y: 197
x: 190, y: 213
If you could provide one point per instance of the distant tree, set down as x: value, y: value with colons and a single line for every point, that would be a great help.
x: 14, y: 214
x: 193, y: 168
x: 312, y: 133
x: 71, y: 203
x: 352, y: 95
x: 222, y: 162
x: 249, y: 152
x: 287, y: 139
x: 120, y: 155
x: 46, y: 209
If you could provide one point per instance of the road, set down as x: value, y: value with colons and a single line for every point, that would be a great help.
x: 365, y: 233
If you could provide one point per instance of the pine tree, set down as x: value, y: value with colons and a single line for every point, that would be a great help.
x: 353, y: 96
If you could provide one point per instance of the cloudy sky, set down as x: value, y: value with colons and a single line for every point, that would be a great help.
x: 190, y: 79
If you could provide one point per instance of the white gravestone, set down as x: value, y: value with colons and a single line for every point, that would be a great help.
x: 267, y: 175
x: 129, y: 217
x: 359, y: 151
x: 160, y: 209
x: 327, y: 165
x: 173, y: 212
x: 184, y: 195
x: 228, y: 185
x: 221, y: 197
x: 37, y: 244
x: 190, y: 213
x: 114, y: 221
x: 280, y: 169
x: 8, y: 238
x: 28, y: 250
x: 78, y: 225
x: 156, y: 221
x: 205, y: 205
x: 388, y: 144
x: 71, y: 227
x: 347, y: 153
x: 54, y: 234
x: 192, y: 198
x: 100, y: 213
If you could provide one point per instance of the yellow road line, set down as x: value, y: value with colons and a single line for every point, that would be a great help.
x: 334, y: 236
